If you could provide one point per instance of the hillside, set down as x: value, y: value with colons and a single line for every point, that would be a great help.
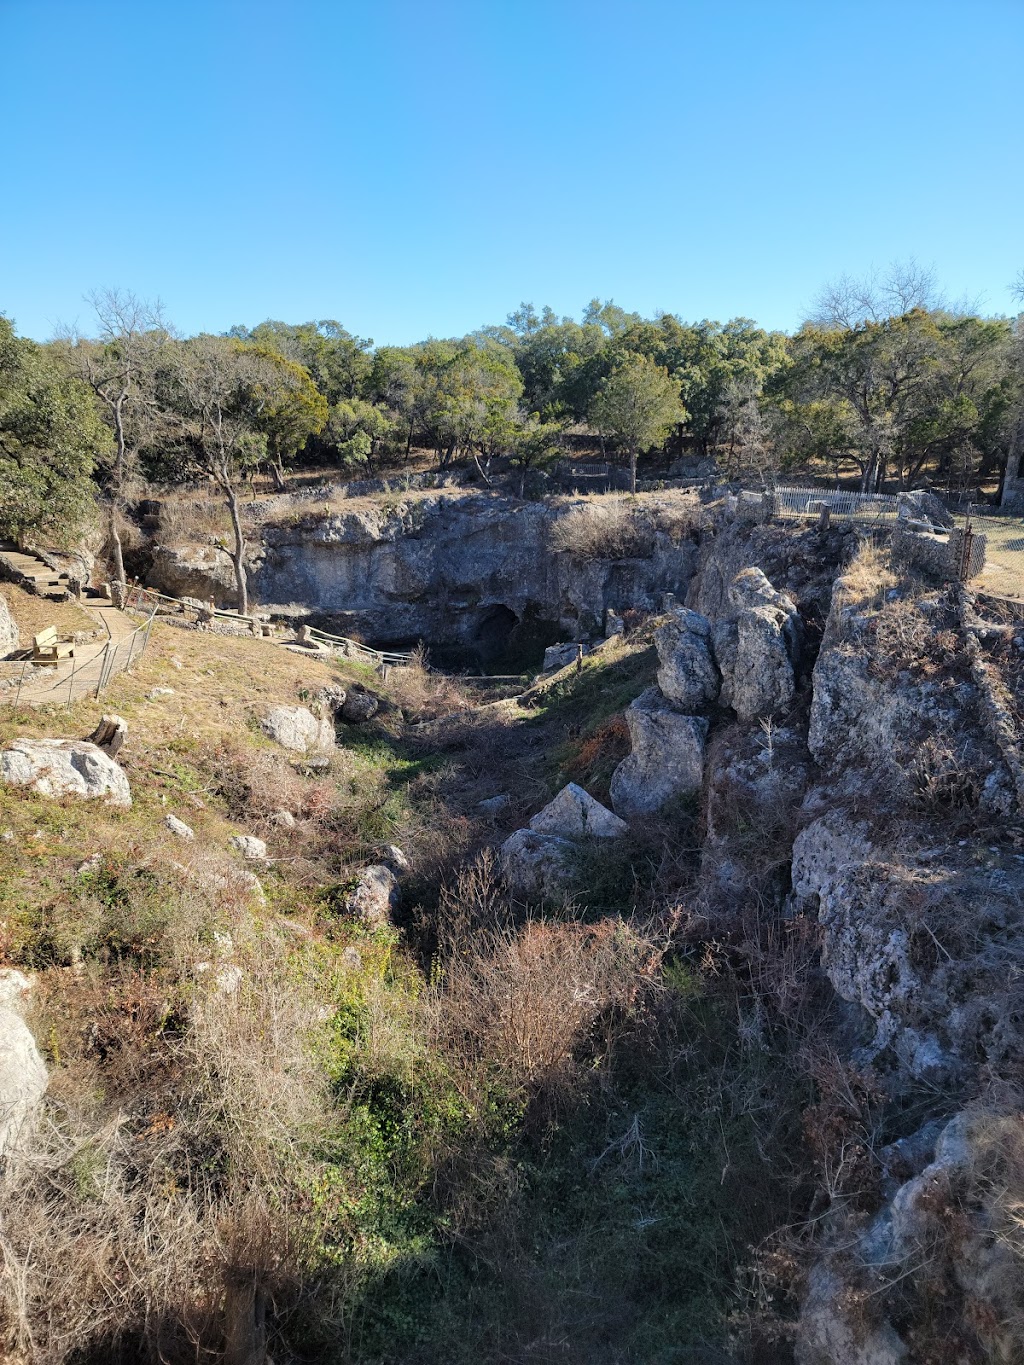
x: 457, y: 1064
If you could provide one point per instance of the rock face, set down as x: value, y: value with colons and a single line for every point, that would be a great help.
x: 8, y: 629
x: 537, y: 865
x: 575, y: 814
x: 64, y: 767
x: 758, y: 649
x: 687, y: 674
x: 295, y: 728
x: 562, y: 655
x: 466, y: 571
x: 23, y: 1074
x: 189, y: 569
x: 914, y: 1235
x: 667, y: 759
x: 375, y: 896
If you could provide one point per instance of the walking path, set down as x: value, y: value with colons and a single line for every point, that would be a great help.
x: 78, y: 677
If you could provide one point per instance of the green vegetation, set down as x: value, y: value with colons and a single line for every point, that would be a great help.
x: 885, y: 384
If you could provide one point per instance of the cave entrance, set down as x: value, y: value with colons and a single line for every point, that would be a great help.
x: 493, y: 634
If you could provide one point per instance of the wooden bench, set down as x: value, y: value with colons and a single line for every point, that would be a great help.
x: 47, y: 649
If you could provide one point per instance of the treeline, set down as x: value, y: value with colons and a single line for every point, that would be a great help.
x: 886, y: 381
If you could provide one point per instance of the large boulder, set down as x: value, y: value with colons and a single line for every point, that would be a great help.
x: 537, y: 865
x: 758, y: 650
x: 23, y: 1074
x: 574, y: 813
x: 8, y: 629
x: 667, y: 758
x: 687, y: 674
x: 64, y: 767
x: 375, y: 896
x: 359, y: 705
x: 293, y: 727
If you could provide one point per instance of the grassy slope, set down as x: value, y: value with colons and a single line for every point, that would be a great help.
x: 467, y: 1224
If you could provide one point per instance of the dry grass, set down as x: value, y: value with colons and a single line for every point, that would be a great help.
x: 610, y: 527
x: 145, y: 1201
x: 33, y: 614
x: 527, y: 998
x: 423, y: 695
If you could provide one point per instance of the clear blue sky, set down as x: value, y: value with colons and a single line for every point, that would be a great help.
x: 415, y: 167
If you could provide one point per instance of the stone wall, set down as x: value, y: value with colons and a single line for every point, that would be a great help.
x: 938, y: 555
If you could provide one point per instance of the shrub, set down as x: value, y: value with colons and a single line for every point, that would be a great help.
x: 622, y: 528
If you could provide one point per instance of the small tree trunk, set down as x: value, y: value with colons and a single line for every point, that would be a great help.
x: 238, y: 557
x: 116, y: 547
x: 277, y: 471
x: 632, y: 471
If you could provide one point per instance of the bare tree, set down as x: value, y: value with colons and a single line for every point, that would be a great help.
x: 118, y: 366
x: 901, y: 287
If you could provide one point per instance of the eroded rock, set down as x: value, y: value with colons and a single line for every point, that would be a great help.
x: 537, y: 865
x: 360, y: 705
x: 687, y: 674
x: 296, y: 728
x: 251, y: 848
x: 758, y: 650
x: 23, y: 1074
x: 375, y: 896
x: 667, y: 758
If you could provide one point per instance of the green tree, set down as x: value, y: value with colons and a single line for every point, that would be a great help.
x: 357, y: 429
x: 51, y: 438
x: 295, y: 411
x: 219, y: 392
x: 637, y: 406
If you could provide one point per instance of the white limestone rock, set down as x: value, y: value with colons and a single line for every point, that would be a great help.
x: 687, y: 674
x: 179, y: 827
x: 251, y: 848
x: 537, y: 865
x: 574, y: 813
x: 64, y: 767
x: 23, y: 1074
x: 375, y: 896
x: 296, y: 728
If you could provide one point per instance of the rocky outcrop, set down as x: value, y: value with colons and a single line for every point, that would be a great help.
x: 933, y: 983
x: 667, y: 758
x: 64, y: 767
x: 8, y: 629
x: 687, y: 674
x: 192, y: 569
x: 757, y: 650
x: 296, y: 728
x: 251, y: 848
x: 360, y: 705
x: 472, y: 571
x: 947, y: 1237
x: 574, y: 814
x: 23, y: 1074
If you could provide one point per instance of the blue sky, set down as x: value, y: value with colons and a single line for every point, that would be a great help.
x: 415, y: 167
